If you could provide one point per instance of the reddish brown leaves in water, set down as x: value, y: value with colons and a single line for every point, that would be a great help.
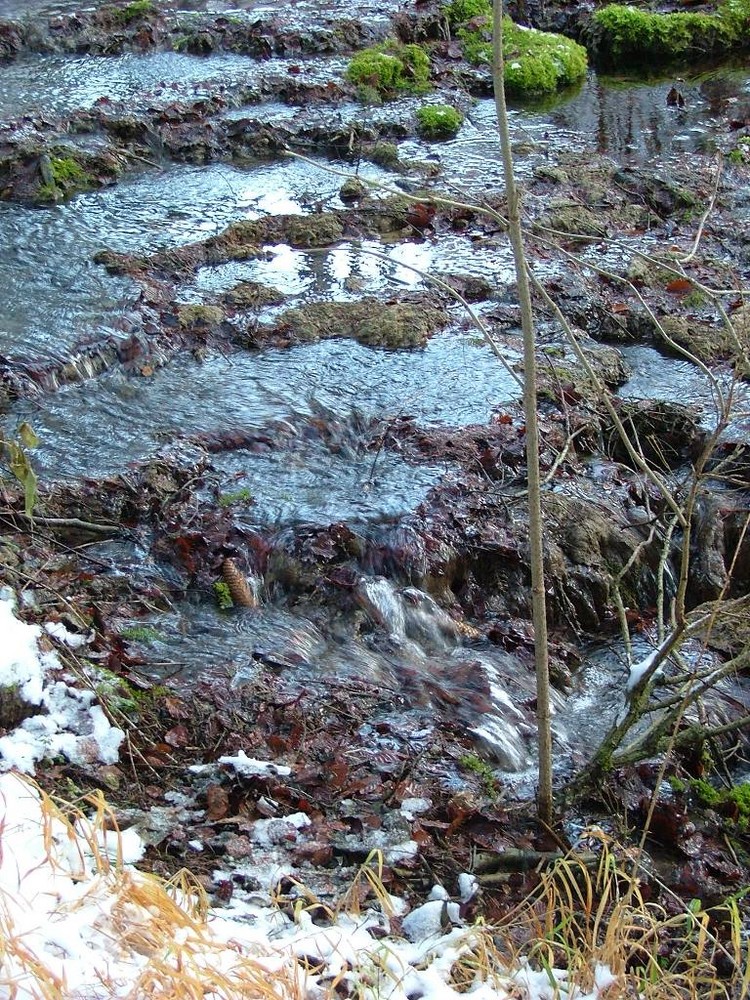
x: 679, y: 286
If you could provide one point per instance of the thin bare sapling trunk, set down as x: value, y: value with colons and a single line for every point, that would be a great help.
x: 539, y: 610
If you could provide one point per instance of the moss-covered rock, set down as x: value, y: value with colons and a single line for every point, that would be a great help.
x: 385, y: 71
x: 135, y: 11
x: 243, y: 240
x: 536, y: 62
x: 62, y: 176
x: 196, y: 316
x: 252, y: 295
x: 567, y: 216
x: 385, y: 154
x: 461, y: 11
x: 619, y: 35
x: 564, y: 380
x: 711, y: 342
x: 353, y: 189
x: 377, y: 324
x: 439, y: 121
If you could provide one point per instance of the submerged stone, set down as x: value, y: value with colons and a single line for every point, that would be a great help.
x: 377, y: 324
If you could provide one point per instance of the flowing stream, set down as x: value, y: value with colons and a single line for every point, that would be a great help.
x: 57, y: 301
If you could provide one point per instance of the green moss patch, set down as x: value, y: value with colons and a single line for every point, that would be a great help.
x: 374, y: 323
x: 734, y: 803
x: 536, y: 62
x: 621, y: 35
x: 385, y: 71
x: 460, y: 11
x: 134, y: 11
x: 439, y: 121
x: 62, y: 176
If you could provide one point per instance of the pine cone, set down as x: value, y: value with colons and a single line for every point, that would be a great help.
x: 241, y: 593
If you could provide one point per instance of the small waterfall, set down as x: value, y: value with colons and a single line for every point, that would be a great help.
x: 383, y: 604
x: 407, y: 614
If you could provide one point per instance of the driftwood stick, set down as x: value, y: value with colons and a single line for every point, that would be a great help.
x: 64, y: 522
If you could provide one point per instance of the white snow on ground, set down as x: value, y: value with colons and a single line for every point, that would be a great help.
x: 78, y: 922
x: 67, y: 722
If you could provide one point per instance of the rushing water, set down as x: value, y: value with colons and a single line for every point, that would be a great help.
x: 453, y: 380
x: 56, y: 299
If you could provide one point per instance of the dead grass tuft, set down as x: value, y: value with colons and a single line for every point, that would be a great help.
x: 586, y: 930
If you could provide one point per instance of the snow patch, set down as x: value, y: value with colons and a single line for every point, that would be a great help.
x: 67, y: 723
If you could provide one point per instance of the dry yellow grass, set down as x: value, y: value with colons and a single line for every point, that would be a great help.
x: 591, y: 922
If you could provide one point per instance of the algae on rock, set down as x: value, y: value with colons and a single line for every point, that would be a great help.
x: 374, y: 323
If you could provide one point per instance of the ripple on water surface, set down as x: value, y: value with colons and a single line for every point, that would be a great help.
x: 677, y: 380
x: 629, y: 120
x: 55, y: 296
x: 99, y: 427
x: 315, y: 484
x: 58, y: 84
x: 369, y: 267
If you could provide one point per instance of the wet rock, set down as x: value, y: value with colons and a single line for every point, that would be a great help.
x: 587, y: 546
x: 708, y: 572
x: 473, y: 288
x: 11, y: 39
x: 662, y: 194
x: 141, y: 25
x: 668, y: 433
x: 573, y: 219
x: 377, y: 324
x: 14, y: 708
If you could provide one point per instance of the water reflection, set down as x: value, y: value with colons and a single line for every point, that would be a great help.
x: 633, y: 120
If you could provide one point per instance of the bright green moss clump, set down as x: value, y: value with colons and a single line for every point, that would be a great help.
x: 134, y: 11
x: 62, y: 176
x: 732, y: 802
x: 536, y: 62
x: 384, y: 71
x: 621, y: 35
x: 460, y: 11
x: 439, y: 121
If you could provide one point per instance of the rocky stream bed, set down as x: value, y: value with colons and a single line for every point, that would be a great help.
x: 220, y: 321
